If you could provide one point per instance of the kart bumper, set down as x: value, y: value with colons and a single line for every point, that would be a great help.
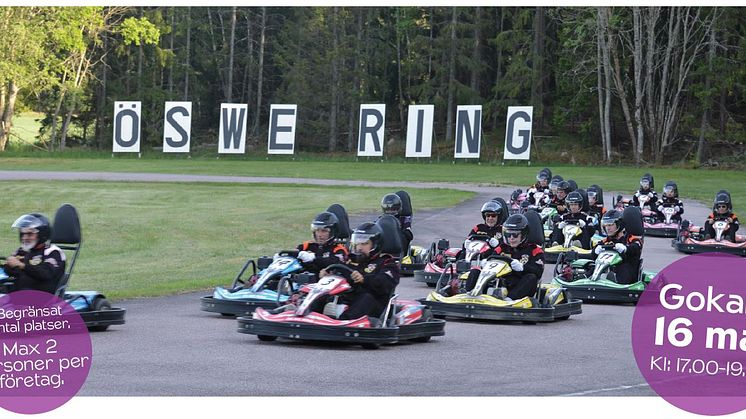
x: 483, y: 312
x: 661, y: 231
x: 305, y: 331
x: 109, y: 317
x: 409, y: 269
x: 691, y: 246
x: 234, y: 307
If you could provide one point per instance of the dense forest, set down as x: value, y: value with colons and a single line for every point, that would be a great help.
x: 642, y: 82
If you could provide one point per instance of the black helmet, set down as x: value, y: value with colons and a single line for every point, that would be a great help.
x: 516, y: 222
x: 596, y: 192
x: 671, y: 187
x: 613, y: 216
x: 564, y: 186
x: 722, y: 197
x: 391, y: 204
x: 34, y: 221
x: 326, y: 220
x: 556, y: 179
x: 492, y: 206
x: 365, y: 232
x: 544, y: 174
x: 647, y: 177
x: 574, y: 197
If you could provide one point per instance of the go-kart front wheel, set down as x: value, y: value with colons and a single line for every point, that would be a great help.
x: 267, y: 338
x: 370, y: 345
x: 100, y: 304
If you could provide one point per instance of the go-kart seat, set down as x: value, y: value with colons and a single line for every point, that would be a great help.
x: 344, y: 221
x: 573, y: 185
x: 535, y: 229
x: 392, y: 237
x: 585, y: 207
x: 633, y: 221
x: 66, y: 235
x: 406, y: 204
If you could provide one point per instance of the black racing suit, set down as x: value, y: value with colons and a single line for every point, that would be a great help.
x: 574, y: 218
x: 519, y: 284
x: 651, y: 202
x: 532, y: 190
x: 669, y: 202
x: 597, y: 212
x: 628, y: 271
x: 44, y: 267
x: 558, y: 203
x: 381, y: 276
x: 485, y: 231
x: 730, y: 233
x: 326, y: 254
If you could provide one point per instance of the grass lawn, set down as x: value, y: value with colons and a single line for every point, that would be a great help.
x: 697, y: 184
x: 147, y: 239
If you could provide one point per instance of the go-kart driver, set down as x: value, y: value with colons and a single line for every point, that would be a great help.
x: 670, y: 198
x: 527, y: 260
x: 490, y: 229
x: 541, y: 185
x: 558, y: 201
x: 375, y: 277
x: 628, y: 246
x: 391, y: 204
x: 597, y: 209
x: 323, y: 250
x: 574, y: 202
x: 646, y: 188
x: 722, y: 210
x: 37, y: 264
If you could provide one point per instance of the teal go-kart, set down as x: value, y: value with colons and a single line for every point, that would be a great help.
x: 594, y: 280
x: 92, y: 306
x: 261, y: 289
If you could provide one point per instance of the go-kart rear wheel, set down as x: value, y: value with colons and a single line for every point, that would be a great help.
x: 227, y: 314
x: 563, y: 317
x: 266, y: 338
x: 422, y: 339
x: 99, y: 304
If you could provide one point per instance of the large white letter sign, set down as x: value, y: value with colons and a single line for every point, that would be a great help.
x: 468, y: 131
x: 281, y: 137
x: 126, y: 127
x: 177, y: 127
x: 420, y: 130
x: 370, y: 138
x: 518, y: 133
x: 233, y: 121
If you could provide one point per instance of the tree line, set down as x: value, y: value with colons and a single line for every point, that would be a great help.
x: 646, y: 82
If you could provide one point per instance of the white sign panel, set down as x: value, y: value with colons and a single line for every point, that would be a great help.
x: 281, y: 137
x: 518, y: 133
x: 420, y: 130
x: 233, y: 121
x: 468, y: 131
x: 370, y: 137
x: 127, y: 127
x: 177, y: 127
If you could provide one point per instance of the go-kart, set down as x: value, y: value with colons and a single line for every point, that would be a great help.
x: 593, y: 280
x: 691, y: 239
x: 92, y: 306
x: 259, y: 290
x: 400, y: 320
x: 660, y: 228
x: 548, y: 215
x: 474, y: 247
x: 487, y: 299
x: 415, y: 260
x: 571, y: 234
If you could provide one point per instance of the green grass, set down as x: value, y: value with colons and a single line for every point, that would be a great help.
x: 700, y: 184
x: 26, y: 128
x: 147, y: 239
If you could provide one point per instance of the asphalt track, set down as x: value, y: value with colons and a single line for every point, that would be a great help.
x: 170, y: 348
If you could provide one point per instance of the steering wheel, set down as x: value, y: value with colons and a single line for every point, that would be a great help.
x: 503, y: 258
x: 291, y: 253
x: 343, y: 270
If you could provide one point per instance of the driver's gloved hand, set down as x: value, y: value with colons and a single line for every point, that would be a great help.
x: 660, y: 208
x: 620, y: 248
x: 306, y: 256
x: 516, y: 265
x: 598, y: 250
x: 493, y: 242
